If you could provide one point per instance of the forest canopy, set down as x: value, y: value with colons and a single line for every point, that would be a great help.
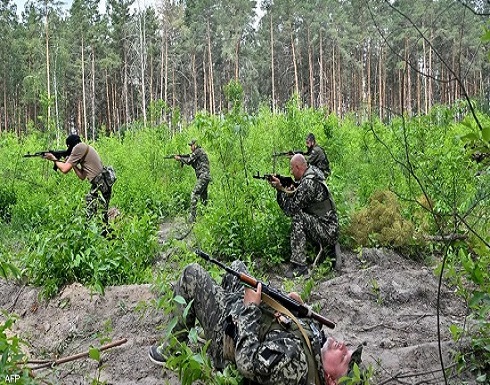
x: 73, y: 67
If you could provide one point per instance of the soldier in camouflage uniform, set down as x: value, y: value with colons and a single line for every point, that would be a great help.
x: 312, y: 210
x: 265, y: 350
x: 316, y: 156
x: 199, y: 161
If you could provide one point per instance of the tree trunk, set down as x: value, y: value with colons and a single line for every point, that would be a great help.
x: 204, y: 83
x: 310, y: 66
x: 84, y: 96
x: 142, y: 33
x: 126, y: 89
x: 108, y: 103
x: 92, y: 96
x: 409, y: 79
x: 368, y: 81
x: 295, y: 66
x: 237, y: 57
x: 194, y: 78
x: 273, y: 89
x: 211, y: 75
x: 381, y: 90
x: 48, y: 76
x: 322, y: 90
x: 333, y: 83
x: 429, y: 86
x: 4, y: 108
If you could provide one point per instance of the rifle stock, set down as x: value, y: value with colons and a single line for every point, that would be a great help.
x: 297, y: 308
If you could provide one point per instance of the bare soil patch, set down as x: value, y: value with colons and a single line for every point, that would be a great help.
x: 378, y: 298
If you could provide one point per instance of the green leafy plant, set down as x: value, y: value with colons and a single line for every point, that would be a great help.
x: 189, y: 358
x: 12, y: 359
x: 358, y: 376
x: 8, y: 199
x: 376, y: 291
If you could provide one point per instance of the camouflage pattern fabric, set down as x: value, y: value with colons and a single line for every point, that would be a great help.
x: 200, y: 163
x: 211, y: 304
x: 321, y: 229
x: 316, y: 157
x: 200, y: 191
x: 99, y: 196
x: 264, y: 356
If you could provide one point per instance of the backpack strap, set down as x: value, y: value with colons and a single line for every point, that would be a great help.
x: 313, y: 377
x: 85, y: 153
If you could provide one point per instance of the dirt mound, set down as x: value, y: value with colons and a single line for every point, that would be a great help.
x: 378, y: 298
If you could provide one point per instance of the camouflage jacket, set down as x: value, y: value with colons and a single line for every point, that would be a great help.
x: 316, y: 157
x: 199, y: 162
x: 273, y: 356
x: 311, y: 192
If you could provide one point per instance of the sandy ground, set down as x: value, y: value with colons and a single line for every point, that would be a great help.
x: 378, y: 298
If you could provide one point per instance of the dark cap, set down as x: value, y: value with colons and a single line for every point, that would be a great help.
x: 356, y: 357
x: 193, y: 141
x: 310, y: 137
x: 73, y: 140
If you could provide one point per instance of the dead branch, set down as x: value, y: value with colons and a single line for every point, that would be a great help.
x: 51, y: 364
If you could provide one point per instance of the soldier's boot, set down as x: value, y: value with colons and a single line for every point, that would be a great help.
x: 297, y: 270
x: 160, y: 354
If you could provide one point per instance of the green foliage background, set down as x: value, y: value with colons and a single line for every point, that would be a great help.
x: 424, y: 163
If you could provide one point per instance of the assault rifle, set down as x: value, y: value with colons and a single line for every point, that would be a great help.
x: 295, y: 307
x: 174, y: 155
x: 289, y: 153
x: 286, y: 181
x: 58, y: 154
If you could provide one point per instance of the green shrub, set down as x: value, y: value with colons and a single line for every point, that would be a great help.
x: 12, y: 358
x: 381, y: 223
x: 8, y: 199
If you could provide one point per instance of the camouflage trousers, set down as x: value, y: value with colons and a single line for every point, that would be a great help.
x: 320, y: 230
x: 200, y: 192
x: 211, y: 304
x: 98, y: 197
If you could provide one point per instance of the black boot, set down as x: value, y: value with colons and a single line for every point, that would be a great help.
x: 297, y: 270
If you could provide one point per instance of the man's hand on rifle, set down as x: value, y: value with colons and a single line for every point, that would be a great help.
x: 276, y: 183
x: 253, y: 297
x: 177, y: 157
x: 50, y: 157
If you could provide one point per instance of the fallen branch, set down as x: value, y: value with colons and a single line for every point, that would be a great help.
x: 446, y: 237
x: 74, y: 357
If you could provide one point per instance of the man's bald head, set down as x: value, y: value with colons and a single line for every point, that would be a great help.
x: 298, y: 166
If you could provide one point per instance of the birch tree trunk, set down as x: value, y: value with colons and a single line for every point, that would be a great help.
x: 92, y: 96
x: 211, y: 74
x: 273, y: 81
x: 295, y: 66
x: 310, y: 66
x: 142, y: 38
x: 48, y: 75
x: 322, y: 89
x: 84, y: 105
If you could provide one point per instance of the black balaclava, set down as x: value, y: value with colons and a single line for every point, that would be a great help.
x: 71, y: 142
